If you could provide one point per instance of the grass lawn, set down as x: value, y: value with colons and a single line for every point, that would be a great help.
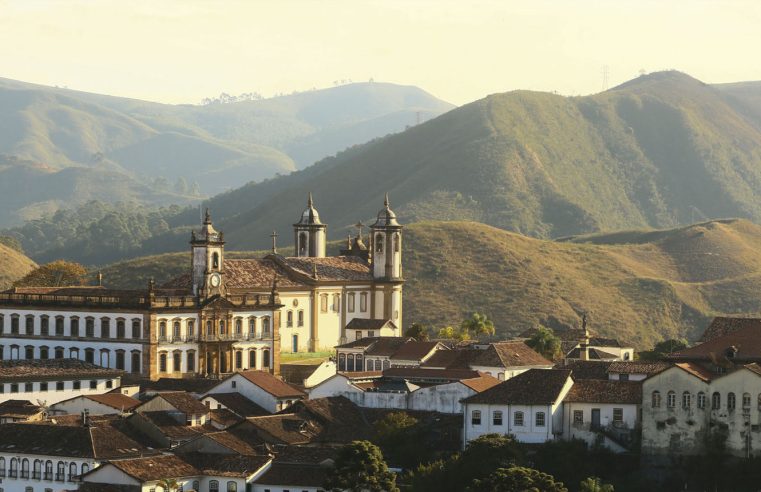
x: 304, y: 357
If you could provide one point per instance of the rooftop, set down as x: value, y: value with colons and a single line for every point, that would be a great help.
x: 295, y: 475
x: 535, y: 386
x: 156, y: 467
x: 239, y: 404
x: 638, y: 367
x: 117, y: 401
x: 272, y: 385
x: 368, y: 324
x: 722, y: 325
x: 598, y: 391
x: 741, y: 343
x: 42, y: 369
x: 183, y: 402
x: 415, y: 350
x: 508, y: 354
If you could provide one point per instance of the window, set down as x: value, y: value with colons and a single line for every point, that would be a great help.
x: 539, y: 419
x: 93, y: 384
x: 497, y: 417
x: 222, y: 330
x: 109, y: 384
x: 44, y: 352
x: 232, y: 486
x: 136, y: 328
x: 209, y: 328
x: 233, y: 384
x: 14, y: 387
x: 90, y: 355
x: 162, y: 330
x: 215, y: 260
x: 119, y: 364
x: 323, y: 303
x: 105, y: 328
x: 13, y: 472
x: 89, y: 327
x: 162, y: 362
x: 475, y: 417
x: 618, y: 415
x: 671, y: 399
x: 301, y: 317
x: 370, y: 333
x: 59, y: 352
x: 730, y: 401
x: 363, y: 302
x: 252, y: 326
x: 191, y: 360
x: 120, y: 329
x: 74, y: 326
x: 85, y: 468
x: 59, y: 326
x: 716, y: 401
x: 289, y: 319
x: 213, y: 486
x: 48, y: 470
x: 72, y: 471
x: 37, y: 470
x: 14, y: 324
x: 2, y: 467
x: 135, y: 361
x: 28, y: 387
x: 350, y: 302
x: 518, y: 419
x: 266, y: 358
x: 238, y: 359
x: 29, y: 352
x: 196, y: 486
x: 43, y: 387
x: 578, y: 416
x: 60, y: 474
x: 336, y: 302
x: 266, y: 325
x: 2, y: 323
x: 74, y: 353
x: 29, y: 321
x: 176, y: 330
x: 59, y: 386
x: 357, y: 335
x: 686, y: 399
x: 25, y: 468
x: 44, y: 325
x: 238, y: 326
x: 252, y: 359
x: 77, y: 385
x: 746, y: 401
x: 379, y: 243
x: 177, y: 361
x: 701, y: 400
x: 623, y: 377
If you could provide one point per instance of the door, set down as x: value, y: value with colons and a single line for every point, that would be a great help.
x: 595, y: 418
x: 295, y: 343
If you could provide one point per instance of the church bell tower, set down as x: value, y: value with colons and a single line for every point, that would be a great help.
x: 310, y: 233
x: 386, y: 245
x: 208, y: 248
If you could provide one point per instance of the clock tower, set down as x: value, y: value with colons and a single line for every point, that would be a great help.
x: 208, y: 248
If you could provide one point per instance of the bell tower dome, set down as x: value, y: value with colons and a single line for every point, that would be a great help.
x: 208, y: 249
x: 309, y: 233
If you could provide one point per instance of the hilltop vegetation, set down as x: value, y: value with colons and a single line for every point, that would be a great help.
x: 13, y: 265
x: 640, y: 287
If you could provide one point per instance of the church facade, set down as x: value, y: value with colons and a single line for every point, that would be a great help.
x: 223, y: 315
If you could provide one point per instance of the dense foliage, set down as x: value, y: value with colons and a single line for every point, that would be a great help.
x: 55, y: 274
x: 546, y: 343
x: 359, y: 467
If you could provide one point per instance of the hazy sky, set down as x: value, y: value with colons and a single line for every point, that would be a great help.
x: 182, y: 51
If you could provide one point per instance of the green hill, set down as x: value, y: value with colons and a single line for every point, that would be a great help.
x: 659, y: 151
x: 13, y: 265
x: 639, y: 286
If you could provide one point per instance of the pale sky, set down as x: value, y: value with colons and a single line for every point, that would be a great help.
x: 181, y: 51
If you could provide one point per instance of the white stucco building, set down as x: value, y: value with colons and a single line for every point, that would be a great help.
x: 267, y: 391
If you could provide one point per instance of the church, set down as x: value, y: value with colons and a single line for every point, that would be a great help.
x: 223, y: 315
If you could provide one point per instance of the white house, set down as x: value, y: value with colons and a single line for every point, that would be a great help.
x: 50, y: 381
x: 528, y: 406
x: 181, y: 406
x: 260, y: 387
x: 105, y: 404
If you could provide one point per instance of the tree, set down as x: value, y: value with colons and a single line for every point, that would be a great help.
x: 546, y: 343
x: 168, y: 484
x: 360, y: 467
x: 594, y: 484
x: 400, y: 436
x: 517, y: 479
x: 668, y: 346
x: 417, y: 331
x: 59, y: 273
x: 452, y: 333
x: 476, y: 325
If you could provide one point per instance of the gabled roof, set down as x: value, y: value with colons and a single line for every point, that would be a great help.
x: 742, y: 343
x: 696, y: 370
x: 513, y: 353
x: 378, y: 346
x: 240, y: 466
x: 271, y: 384
x: 598, y: 391
x: 586, y: 369
x: 416, y: 351
x: 233, y: 442
x: 117, y: 401
x: 481, y: 383
x: 535, y: 386
x: 238, y: 404
x: 294, y: 475
x: 182, y: 401
x: 19, y: 409
x: 369, y: 324
x: 169, y: 427
x: 155, y: 467
x: 722, y: 326
x: 594, y: 354
x: 637, y: 367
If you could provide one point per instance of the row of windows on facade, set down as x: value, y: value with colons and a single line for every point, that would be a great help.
x: 191, y: 360
x: 518, y: 418
x: 351, y: 302
x: 59, y: 321
x: 671, y: 399
x: 213, y: 486
x: 210, y: 328
x: 14, y: 352
x: 353, y: 362
x: 41, y: 470
x: 44, y: 386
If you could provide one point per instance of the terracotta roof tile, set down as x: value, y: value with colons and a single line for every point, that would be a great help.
x: 598, y: 391
x: 239, y: 404
x: 415, y: 350
x: 232, y: 441
x: 481, y: 383
x: 746, y: 340
x: 294, y: 475
x: 535, y: 386
x: 183, y: 402
x: 226, y: 465
x: 638, y: 367
x: 115, y: 400
x: 697, y: 370
x: 586, y: 369
x: 508, y: 354
x: 156, y: 467
x: 332, y: 268
x: 594, y: 354
x: 256, y: 274
x: 272, y: 385
x: 36, y: 369
x: 722, y: 326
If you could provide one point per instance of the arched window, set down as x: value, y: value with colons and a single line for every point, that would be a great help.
x: 266, y: 326
x: 238, y: 326
x: 656, y: 399
x: 85, y: 468
x: 731, y: 401
x: 686, y: 399
x: 191, y: 329
x: 25, y: 468
x: 213, y: 486
x: 701, y: 400
x: 2, y: 467
x: 215, y: 260
x: 746, y: 401
x: 162, y: 362
x: 238, y: 359
x: 379, y: 243
x: 475, y: 417
x: 671, y: 399
x: 342, y: 362
x: 135, y: 362
x: 176, y: 330
x: 48, y: 470
x: 350, y: 363
x: 539, y: 419
x: 72, y: 471
x: 289, y: 319
x: 13, y: 472
x: 60, y: 474
x: 369, y: 364
x: 323, y: 303
x: 397, y: 242
x: 209, y: 328
x: 222, y: 327
x: 252, y: 326
x: 44, y: 352
x: 266, y: 358
x: 386, y: 364
x: 196, y: 486
x: 252, y: 359
x: 120, y: 329
x: 518, y: 419
x: 37, y: 470
x: 177, y: 361
x: 302, y: 243
x: 232, y: 486
x: 162, y: 330
x: 136, y: 329
x: 190, y: 356
x: 716, y: 401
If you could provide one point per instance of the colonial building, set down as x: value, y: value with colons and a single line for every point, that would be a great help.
x: 224, y: 315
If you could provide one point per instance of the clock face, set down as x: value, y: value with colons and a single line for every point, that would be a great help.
x: 215, y: 280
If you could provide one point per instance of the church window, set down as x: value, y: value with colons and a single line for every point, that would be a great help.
x: 90, y: 355
x: 190, y: 329
x: 209, y: 328
x: 301, y: 317
x: 120, y: 329
x: 252, y: 326
x: 518, y: 419
x: 323, y: 303
x: 29, y: 352
x: 190, y: 356
x: 89, y: 327
x: 397, y: 242
x: 266, y: 358
x: 671, y: 399
x: 497, y: 417
x: 44, y: 352
x: 238, y: 359
x: 289, y: 319
x: 74, y: 326
x: 136, y: 329
x: 716, y: 401
x: 29, y: 324
x: 252, y: 359
x: 105, y: 328
x: 162, y: 362
x: 336, y: 302
x: 266, y: 325
x: 539, y: 419
x: 119, y: 362
x: 59, y: 326
x: 215, y: 260
x: 363, y: 302
x: 177, y: 361
x: 162, y: 330
x: 350, y: 302
x: 176, y: 330
x: 135, y: 361
x: 302, y: 244
x: 379, y: 243
x: 746, y: 401
x: 14, y: 324
x: 686, y: 399
x: 730, y: 401
x: 222, y: 327
x: 475, y: 417
x: 59, y: 352
x: 701, y: 400
x: 655, y: 400
x: 238, y: 326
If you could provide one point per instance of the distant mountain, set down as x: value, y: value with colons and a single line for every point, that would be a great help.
x: 212, y: 148
x: 638, y: 286
x: 659, y: 151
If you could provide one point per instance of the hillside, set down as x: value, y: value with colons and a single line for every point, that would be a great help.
x: 13, y: 266
x: 213, y: 148
x: 659, y: 151
x: 639, y: 286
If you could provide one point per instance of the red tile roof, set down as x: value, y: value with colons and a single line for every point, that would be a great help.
x: 746, y: 340
x: 156, y: 467
x: 508, y: 354
x: 535, y: 386
x: 697, y: 370
x: 272, y: 385
x: 638, y: 367
x: 332, y: 268
x: 415, y: 350
x: 481, y: 383
x: 42, y: 369
x: 115, y: 400
x: 721, y: 326
x: 598, y: 391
